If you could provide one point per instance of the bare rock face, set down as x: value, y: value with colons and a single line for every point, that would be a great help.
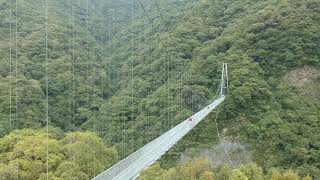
x: 228, y: 152
x: 307, y: 80
x: 302, y: 77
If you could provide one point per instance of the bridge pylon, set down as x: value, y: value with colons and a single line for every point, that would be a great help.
x: 224, y: 83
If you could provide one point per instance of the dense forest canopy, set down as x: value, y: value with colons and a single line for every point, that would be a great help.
x: 112, y: 72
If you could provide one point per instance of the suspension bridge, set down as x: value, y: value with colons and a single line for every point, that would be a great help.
x: 131, y: 166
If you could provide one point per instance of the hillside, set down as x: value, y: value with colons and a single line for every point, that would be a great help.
x: 78, y: 48
x: 127, y: 81
x: 262, y: 42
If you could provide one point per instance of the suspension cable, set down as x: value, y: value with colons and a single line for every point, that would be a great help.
x: 101, y: 74
x: 16, y: 82
x: 164, y: 22
x: 147, y: 15
x: 10, y: 67
x: 132, y: 66
x: 94, y: 86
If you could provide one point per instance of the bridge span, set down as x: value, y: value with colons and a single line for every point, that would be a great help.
x: 131, y: 166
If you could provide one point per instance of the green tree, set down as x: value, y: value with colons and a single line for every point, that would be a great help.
x: 31, y: 151
x: 238, y: 175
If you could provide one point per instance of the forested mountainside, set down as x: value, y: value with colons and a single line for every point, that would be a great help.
x: 127, y: 80
x: 273, y: 53
x: 78, y: 40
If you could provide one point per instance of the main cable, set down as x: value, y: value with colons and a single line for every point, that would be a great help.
x: 147, y: 15
x: 164, y: 22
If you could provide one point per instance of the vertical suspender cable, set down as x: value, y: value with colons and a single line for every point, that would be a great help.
x: 139, y: 56
x: 94, y: 55
x: 102, y: 42
x: 10, y: 69
x: 121, y: 78
x: 116, y: 74
x: 167, y: 90
x: 16, y: 82
x: 146, y: 41
x: 47, y: 91
x: 87, y: 58
x: 109, y: 66
x: 121, y: 16
x: 148, y: 86
x: 73, y: 72
x: 153, y: 66
x: 69, y: 66
x: 110, y: 22
x: 154, y: 57
x: 132, y: 66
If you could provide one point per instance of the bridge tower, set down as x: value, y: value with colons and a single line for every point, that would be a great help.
x: 224, y: 83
